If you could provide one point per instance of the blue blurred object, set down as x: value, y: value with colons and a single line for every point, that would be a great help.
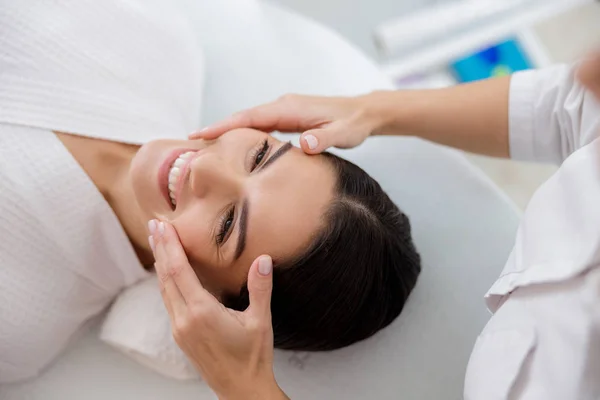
x: 499, y: 60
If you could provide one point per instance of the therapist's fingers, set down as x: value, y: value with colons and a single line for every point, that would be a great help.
x: 343, y: 134
x: 267, y: 118
x: 178, y: 282
x: 260, y: 287
x: 171, y: 295
x: 179, y: 268
x: 215, y: 130
x: 316, y: 141
x: 290, y: 113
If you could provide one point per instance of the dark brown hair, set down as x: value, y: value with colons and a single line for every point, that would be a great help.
x: 355, y: 277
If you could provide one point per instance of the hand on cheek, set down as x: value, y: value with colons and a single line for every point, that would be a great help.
x: 233, y: 351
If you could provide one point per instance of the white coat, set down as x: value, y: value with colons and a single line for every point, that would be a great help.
x: 543, y: 341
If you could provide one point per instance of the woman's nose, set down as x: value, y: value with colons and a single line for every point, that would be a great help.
x: 211, y: 175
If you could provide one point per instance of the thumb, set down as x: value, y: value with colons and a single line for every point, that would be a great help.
x: 260, y: 286
x: 316, y: 141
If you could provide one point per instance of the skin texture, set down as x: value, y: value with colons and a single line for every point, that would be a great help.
x: 283, y: 213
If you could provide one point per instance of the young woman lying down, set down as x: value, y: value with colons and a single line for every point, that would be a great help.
x: 78, y: 187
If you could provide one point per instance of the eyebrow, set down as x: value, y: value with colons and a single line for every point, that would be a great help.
x: 243, y: 227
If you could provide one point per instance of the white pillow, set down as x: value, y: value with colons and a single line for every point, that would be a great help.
x: 463, y: 227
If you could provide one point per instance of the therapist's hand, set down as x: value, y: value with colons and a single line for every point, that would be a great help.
x: 323, y: 121
x: 233, y: 351
x: 589, y: 73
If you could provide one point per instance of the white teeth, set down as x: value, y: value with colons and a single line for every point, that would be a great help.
x: 174, y: 173
x: 173, y: 178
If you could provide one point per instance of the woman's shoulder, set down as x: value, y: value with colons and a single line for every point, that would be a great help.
x: 63, y: 257
x: 48, y: 201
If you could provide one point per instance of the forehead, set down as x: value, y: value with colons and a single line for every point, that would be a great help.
x: 286, y: 205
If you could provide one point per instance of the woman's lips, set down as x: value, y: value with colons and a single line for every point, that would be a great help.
x: 163, y: 174
x: 183, y: 174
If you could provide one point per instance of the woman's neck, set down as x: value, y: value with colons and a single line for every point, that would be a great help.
x: 107, y: 165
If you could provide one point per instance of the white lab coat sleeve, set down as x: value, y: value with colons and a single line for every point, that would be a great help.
x: 550, y: 115
x: 542, y: 344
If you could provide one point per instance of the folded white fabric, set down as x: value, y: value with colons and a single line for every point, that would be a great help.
x: 139, y: 326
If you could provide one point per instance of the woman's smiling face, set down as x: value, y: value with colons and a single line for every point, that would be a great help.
x: 233, y: 199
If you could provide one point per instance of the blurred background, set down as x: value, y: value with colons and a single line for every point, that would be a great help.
x: 434, y: 43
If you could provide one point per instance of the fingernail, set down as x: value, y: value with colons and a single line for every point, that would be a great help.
x: 311, y: 141
x: 161, y: 228
x: 152, y: 226
x: 265, y: 265
x: 198, y: 132
x: 151, y: 242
